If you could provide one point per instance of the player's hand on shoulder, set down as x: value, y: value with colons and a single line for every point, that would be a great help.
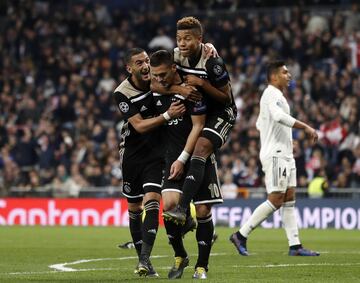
x: 210, y: 51
x: 190, y: 93
x: 176, y: 109
x: 176, y: 170
x: 312, y: 134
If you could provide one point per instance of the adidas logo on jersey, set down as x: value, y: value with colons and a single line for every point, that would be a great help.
x: 143, y: 108
x: 191, y: 177
x: 152, y: 231
x: 158, y: 103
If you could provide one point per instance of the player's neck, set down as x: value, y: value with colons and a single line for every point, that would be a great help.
x: 194, y: 58
x: 277, y: 86
x: 140, y: 84
x: 177, y: 79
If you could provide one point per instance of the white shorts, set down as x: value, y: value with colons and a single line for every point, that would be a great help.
x: 280, y: 174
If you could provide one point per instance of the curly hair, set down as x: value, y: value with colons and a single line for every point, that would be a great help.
x: 190, y: 23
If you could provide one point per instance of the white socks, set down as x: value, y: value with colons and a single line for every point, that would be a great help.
x: 290, y: 223
x: 259, y: 215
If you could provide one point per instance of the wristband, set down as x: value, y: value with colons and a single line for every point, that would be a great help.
x: 166, y: 116
x: 183, y: 157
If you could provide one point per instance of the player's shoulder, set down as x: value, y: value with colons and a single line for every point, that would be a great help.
x: 177, y: 54
x: 271, y: 92
x: 214, y: 61
x: 127, y: 89
x: 216, y: 66
x: 178, y: 58
x: 184, y: 62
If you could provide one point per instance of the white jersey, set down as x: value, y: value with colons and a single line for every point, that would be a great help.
x: 275, y: 125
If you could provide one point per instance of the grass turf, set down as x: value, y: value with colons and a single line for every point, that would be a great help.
x: 27, y: 252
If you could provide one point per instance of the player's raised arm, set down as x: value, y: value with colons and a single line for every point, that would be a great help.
x: 210, y: 50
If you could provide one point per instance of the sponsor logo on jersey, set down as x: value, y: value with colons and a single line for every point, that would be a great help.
x: 158, y: 103
x: 143, y: 108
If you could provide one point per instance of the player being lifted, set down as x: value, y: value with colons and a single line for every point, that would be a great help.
x: 142, y: 155
x: 181, y: 136
x: 210, y: 77
x: 276, y: 155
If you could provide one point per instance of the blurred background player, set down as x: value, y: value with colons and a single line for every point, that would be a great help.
x: 141, y: 154
x: 275, y: 125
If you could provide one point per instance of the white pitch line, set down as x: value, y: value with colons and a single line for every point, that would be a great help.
x: 296, y: 265
x: 62, y: 266
x: 57, y: 271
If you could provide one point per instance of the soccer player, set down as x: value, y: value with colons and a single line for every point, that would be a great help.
x: 181, y: 136
x: 276, y: 155
x: 210, y: 77
x: 142, y: 156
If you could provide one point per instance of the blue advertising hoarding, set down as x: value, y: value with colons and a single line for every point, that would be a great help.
x: 311, y: 213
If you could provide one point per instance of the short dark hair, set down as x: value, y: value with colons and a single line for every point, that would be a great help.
x: 273, y: 67
x: 161, y: 57
x: 131, y: 52
x: 189, y: 23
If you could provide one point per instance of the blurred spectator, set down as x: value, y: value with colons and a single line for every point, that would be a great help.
x: 318, y: 186
x: 161, y: 41
x: 61, y: 63
x: 229, y: 189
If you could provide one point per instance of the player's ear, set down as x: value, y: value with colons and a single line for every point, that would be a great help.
x: 128, y: 69
x: 173, y: 68
x: 274, y: 76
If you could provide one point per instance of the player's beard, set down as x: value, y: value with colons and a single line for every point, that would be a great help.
x: 144, y: 82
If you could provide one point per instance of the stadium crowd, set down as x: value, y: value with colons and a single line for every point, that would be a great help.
x: 59, y: 127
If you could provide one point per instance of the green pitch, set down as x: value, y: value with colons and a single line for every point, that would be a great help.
x: 92, y: 256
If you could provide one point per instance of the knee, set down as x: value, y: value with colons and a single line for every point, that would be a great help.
x: 168, y: 205
x: 135, y: 207
x: 203, y: 148
x: 152, y: 196
x: 202, y: 210
x: 276, y: 201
